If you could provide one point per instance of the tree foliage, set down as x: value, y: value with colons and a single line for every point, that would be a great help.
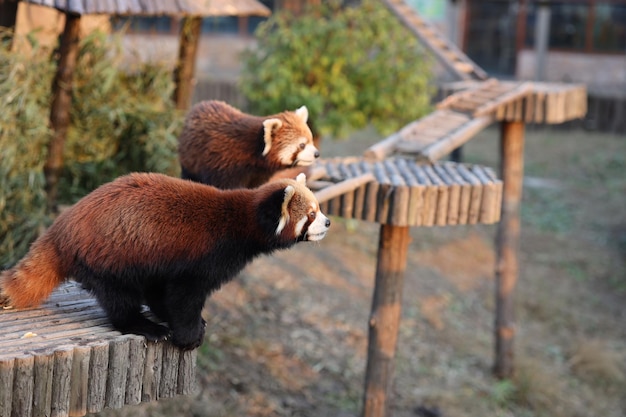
x: 351, y: 66
x: 122, y: 120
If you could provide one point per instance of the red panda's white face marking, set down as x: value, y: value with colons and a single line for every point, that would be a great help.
x: 290, y: 139
x: 270, y: 126
x: 301, y: 211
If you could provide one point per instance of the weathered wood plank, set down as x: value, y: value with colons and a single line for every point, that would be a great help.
x: 79, y: 382
x: 43, y: 380
x: 6, y: 385
x: 98, y: 373
x: 63, y: 358
x: 118, y: 371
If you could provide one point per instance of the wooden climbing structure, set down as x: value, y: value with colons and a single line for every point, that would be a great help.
x: 65, y: 359
x: 447, y: 52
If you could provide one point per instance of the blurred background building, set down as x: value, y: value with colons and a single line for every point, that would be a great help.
x: 584, y: 41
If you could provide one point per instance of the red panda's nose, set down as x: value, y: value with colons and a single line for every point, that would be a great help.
x: 317, y: 154
x: 327, y: 222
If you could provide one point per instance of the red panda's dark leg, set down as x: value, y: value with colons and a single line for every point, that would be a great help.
x: 155, y: 298
x: 123, y: 307
x: 184, y: 306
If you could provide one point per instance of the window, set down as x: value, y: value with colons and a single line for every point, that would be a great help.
x: 609, y: 29
x: 585, y: 26
x: 567, y: 25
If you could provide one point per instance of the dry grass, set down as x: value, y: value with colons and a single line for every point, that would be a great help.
x: 593, y: 360
x: 288, y: 337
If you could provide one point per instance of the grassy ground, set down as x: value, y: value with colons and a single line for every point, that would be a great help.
x: 288, y: 337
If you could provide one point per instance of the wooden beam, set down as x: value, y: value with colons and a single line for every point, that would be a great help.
x: 61, y: 103
x: 507, y: 243
x: 184, y: 74
x: 385, y: 319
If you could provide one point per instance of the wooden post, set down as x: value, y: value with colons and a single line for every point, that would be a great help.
x: 186, y: 67
x: 507, y: 242
x: 385, y: 318
x: 8, y: 16
x: 61, y: 102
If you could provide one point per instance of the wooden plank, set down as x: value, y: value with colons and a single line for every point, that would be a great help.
x: 347, y: 198
x: 383, y: 200
x: 398, y: 212
x: 79, y: 381
x: 489, y: 196
x: 468, y: 92
x: 441, y: 210
x: 136, y: 367
x: 338, y: 189
x: 456, y: 138
x: 98, y: 375
x: 465, y: 191
x: 118, y: 371
x: 169, y: 371
x: 152, y: 371
x: 187, y: 372
x: 382, y: 149
x: 43, y: 380
x: 7, y: 371
x: 476, y: 195
x: 359, y: 193
x: 23, y: 385
x: 429, y: 194
x: 454, y: 193
x: 416, y: 199
x: 63, y: 358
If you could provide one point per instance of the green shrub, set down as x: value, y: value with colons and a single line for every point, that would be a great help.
x: 122, y: 120
x: 24, y: 108
x: 351, y: 66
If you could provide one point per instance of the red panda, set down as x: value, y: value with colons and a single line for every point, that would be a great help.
x: 164, y: 242
x: 221, y: 146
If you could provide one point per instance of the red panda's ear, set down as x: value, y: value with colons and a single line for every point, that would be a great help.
x: 284, y: 211
x: 303, y: 113
x: 269, y: 127
x: 301, y: 178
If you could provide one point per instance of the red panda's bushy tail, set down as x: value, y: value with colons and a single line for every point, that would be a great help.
x: 34, y: 277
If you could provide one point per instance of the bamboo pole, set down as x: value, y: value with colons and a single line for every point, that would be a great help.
x: 60, y: 109
x: 186, y: 66
x: 507, y: 243
x: 385, y: 318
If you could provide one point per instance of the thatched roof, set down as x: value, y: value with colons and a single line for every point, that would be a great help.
x: 158, y: 7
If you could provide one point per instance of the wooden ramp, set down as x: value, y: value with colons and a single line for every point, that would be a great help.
x: 447, y: 52
x: 466, y: 112
x: 65, y: 359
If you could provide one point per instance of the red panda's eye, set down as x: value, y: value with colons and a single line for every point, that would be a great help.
x: 302, y: 146
x: 312, y: 215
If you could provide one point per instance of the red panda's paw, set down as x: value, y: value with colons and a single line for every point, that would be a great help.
x: 189, y: 339
x: 5, y: 301
x: 142, y: 326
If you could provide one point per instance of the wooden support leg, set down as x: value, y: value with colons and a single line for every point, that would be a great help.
x: 60, y: 109
x: 385, y: 318
x: 507, y: 242
x: 186, y: 66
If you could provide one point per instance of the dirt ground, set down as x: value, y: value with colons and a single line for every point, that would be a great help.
x: 288, y: 337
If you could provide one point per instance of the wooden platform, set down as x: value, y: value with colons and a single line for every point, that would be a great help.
x: 403, y: 192
x: 65, y: 359
x: 475, y: 105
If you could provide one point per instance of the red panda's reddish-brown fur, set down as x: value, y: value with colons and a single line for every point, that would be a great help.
x: 163, y: 241
x: 224, y: 147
